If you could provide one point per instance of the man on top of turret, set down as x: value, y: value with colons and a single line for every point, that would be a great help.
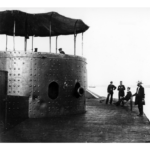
x: 61, y: 51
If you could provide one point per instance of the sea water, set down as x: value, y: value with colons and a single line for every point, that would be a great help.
x: 102, y: 91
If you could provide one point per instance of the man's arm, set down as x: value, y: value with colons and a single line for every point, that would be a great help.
x: 134, y: 94
x: 143, y: 93
x: 130, y: 94
x: 118, y: 88
x: 124, y: 88
x: 108, y: 89
x: 114, y: 87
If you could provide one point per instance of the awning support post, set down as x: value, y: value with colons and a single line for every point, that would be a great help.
x: 75, y: 44
x: 50, y: 32
x: 50, y: 39
x: 32, y: 42
x: 25, y: 44
x: 75, y: 35
x: 56, y: 43
x: 82, y: 44
x: 6, y: 41
x: 14, y: 37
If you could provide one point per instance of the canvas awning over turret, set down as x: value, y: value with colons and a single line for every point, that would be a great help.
x: 39, y: 24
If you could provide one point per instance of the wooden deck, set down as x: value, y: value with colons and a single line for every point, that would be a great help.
x: 100, y: 124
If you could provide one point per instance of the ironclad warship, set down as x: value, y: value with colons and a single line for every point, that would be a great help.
x: 40, y: 84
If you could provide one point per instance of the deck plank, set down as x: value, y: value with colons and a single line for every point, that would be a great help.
x: 100, y: 124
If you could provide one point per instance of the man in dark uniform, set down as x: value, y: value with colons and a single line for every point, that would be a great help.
x: 126, y: 98
x: 61, y: 51
x: 121, y: 89
x: 110, y: 89
x: 139, y: 97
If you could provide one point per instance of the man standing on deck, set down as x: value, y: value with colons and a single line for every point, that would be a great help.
x: 110, y: 89
x: 121, y: 89
x: 139, y: 97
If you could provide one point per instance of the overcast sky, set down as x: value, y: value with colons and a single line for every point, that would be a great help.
x: 117, y: 44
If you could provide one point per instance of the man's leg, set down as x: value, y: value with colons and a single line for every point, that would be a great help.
x: 124, y: 101
x: 107, y: 98
x: 118, y: 97
x: 140, y: 106
x: 120, y: 101
x: 111, y: 98
x: 141, y: 109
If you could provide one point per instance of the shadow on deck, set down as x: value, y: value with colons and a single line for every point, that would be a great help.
x: 101, y: 123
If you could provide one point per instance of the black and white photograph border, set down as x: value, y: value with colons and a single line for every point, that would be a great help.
x: 74, y: 75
